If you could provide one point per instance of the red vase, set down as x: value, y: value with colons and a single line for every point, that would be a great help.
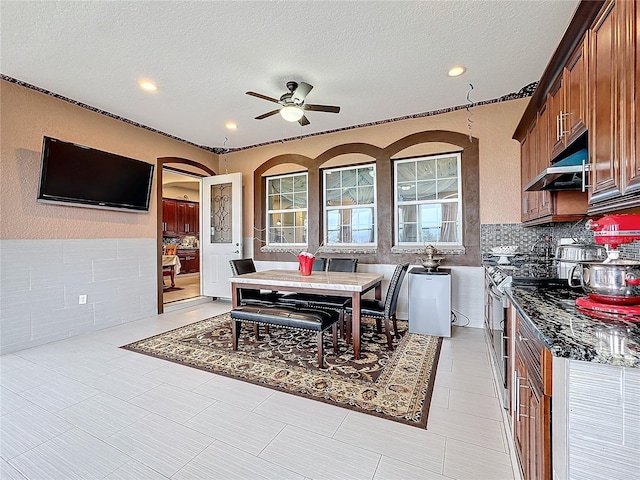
x: 306, y: 264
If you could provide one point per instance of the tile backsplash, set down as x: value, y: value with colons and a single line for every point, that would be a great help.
x: 494, y: 235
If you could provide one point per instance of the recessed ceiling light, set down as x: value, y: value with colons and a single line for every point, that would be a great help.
x: 148, y: 85
x: 231, y: 125
x: 457, y: 71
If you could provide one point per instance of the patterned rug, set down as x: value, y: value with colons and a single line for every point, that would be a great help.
x: 396, y: 385
x: 171, y: 289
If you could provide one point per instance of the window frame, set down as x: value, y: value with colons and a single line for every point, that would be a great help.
x: 269, y: 212
x: 459, y: 200
x: 326, y: 209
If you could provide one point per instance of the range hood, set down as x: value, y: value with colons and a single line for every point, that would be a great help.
x: 567, y: 174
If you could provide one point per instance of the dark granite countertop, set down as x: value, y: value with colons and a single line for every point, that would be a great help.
x: 569, y: 333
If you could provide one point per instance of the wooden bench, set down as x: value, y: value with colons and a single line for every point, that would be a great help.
x: 313, y: 320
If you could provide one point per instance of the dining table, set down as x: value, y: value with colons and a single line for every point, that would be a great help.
x: 171, y: 264
x: 345, y: 284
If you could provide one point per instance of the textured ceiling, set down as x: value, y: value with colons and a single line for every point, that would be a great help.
x: 377, y: 60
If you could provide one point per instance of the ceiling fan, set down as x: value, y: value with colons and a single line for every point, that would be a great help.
x: 293, y: 105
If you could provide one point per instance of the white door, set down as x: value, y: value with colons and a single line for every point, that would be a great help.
x: 221, y: 232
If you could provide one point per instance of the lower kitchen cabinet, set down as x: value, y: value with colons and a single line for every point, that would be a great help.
x: 531, y: 412
x: 189, y: 261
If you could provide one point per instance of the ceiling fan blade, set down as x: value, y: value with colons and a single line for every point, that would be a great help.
x: 321, y: 108
x: 268, y: 114
x: 301, y: 92
x: 264, y: 97
x: 303, y: 121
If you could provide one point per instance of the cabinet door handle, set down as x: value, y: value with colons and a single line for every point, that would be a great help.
x: 517, y: 398
x: 586, y: 167
x: 522, y: 339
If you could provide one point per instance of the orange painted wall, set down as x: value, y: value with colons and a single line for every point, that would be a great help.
x: 493, y: 125
x: 25, y: 117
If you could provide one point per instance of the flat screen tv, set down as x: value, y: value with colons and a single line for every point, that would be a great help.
x: 83, y: 176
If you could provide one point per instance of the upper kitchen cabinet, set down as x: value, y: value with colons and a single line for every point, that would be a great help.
x: 613, y: 119
x: 169, y: 217
x: 590, y: 89
x: 567, y: 101
x: 188, y: 218
x: 534, y: 158
x: 180, y: 218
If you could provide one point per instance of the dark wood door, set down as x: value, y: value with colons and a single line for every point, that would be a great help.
x: 605, y: 167
x: 182, y: 218
x: 169, y: 217
x: 191, y: 218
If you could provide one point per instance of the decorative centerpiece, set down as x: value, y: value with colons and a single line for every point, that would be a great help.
x: 306, y: 260
x: 504, y: 252
x: 431, y: 261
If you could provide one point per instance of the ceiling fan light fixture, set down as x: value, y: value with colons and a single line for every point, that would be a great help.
x: 291, y: 113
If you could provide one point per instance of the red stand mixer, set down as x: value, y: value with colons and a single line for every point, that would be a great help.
x: 613, y: 286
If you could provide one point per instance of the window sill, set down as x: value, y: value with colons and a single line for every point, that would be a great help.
x: 453, y: 250
x: 321, y: 250
x: 273, y: 249
x: 349, y: 250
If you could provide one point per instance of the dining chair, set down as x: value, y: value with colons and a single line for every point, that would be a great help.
x: 319, y: 264
x: 342, y: 265
x: 170, y: 250
x: 325, y: 302
x: 169, y: 271
x: 248, y: 296
x: 382, y: 310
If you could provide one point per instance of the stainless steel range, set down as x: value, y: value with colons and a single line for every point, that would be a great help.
x: 495, y: 324
x: 524, y: 271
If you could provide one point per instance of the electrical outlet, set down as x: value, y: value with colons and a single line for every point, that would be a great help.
x: 82, y: 299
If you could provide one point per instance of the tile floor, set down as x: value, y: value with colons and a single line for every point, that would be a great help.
x: 85, y: 409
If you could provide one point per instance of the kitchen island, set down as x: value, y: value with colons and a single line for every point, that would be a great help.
x: 589, y: 427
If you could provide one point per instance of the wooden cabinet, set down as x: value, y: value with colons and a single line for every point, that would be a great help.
x: 169, y: 217
x: 543, y: 159
x: 605, y: 166
x: 545, y: 206
x: 180, y: 218
x: 575, y: 95
x: 188, y: 218
x: 590, y: 92
x: 189, y: 260
x: 567, y: 102
x: 528, y: 198
x: 613, y: 137
x: 532, y: 402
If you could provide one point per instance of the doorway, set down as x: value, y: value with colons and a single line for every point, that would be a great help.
x: 180, y: 222
x: 178, y: 196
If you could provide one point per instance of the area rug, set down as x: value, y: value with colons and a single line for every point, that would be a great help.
x: 171, y: 289
x: 396, y: 385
